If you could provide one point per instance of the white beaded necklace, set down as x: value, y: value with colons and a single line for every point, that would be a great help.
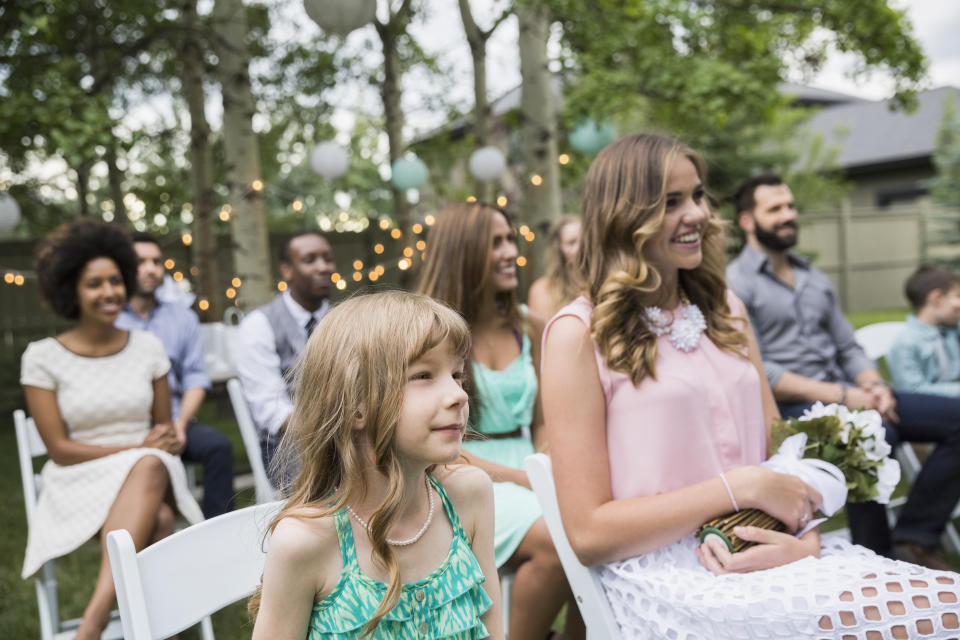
x: 683, y: 332
x: 408, y: 541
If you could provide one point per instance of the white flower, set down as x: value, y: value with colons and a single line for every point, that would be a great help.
x: 818, y: 410
x: 888, y: 475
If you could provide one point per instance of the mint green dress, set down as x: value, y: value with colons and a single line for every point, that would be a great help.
x: 506, y: 400
x: 446, y: 604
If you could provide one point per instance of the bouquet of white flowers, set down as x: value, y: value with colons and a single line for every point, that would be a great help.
x: 841, y: 453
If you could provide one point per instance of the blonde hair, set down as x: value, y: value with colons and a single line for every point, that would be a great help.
x: 562, y: 281
x: 624, y: 204
x: 457, y: 268
x: 355, y: 366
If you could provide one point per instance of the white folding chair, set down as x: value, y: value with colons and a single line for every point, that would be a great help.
x: 177, y: 582
x: 876, y: 340
x: 265, y: 491
x: 584, y: 581
x: 29, y: 446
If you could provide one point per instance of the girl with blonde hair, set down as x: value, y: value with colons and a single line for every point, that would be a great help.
x: 560, y: 284
x: 471, y: 265
x: 382, y: 536
x: 659, y: 416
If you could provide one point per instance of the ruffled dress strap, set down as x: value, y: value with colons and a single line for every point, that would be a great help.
x: 447, y: 604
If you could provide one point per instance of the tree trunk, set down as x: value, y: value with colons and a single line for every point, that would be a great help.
x: 248, y: 222
x: 204, y: 247
x: 115, y: 179
x: 541, y: 203
x: 477, y: 40
x: 83, y: 188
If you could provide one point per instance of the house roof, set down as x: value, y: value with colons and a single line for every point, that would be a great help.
x: 804, y: 94
x: 870, y: 133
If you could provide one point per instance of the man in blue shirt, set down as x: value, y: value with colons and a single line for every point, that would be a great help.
x: 810, y: 354
x: 178, y: 328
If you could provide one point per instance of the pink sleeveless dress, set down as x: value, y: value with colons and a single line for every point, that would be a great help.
x: 703, y: 415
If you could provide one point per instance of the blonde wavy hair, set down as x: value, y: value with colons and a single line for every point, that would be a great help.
x: 562, y: 281
x: 355, y: 364
x: 624, y: 204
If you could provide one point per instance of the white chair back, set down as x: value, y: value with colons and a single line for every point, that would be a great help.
x: 264, y: 489
x: 877, y: 338
x: 176, y: 582
x: 584, y: 581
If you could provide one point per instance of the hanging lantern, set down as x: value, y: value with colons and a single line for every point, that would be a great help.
x: 341, y: 16
x: 487, y: 163
x: 9, y: 213
x: 408, y: 173
x: 329, y: 160
x: 590, y: 138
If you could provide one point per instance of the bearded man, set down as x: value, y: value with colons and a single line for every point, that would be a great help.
x: 810, y: 354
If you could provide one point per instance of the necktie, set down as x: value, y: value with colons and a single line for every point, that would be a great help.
x: 311, y: 324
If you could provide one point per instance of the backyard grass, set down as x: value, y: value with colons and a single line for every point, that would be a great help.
x: 77, y: 571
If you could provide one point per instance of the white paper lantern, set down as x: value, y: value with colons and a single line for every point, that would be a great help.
x: 9, y: 213
x: 487, y: 163
x: 329, y: 160
x: 341, y: 16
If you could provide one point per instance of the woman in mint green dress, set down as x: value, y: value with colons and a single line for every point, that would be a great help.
x: 384, y: 536
x: 471, y: 264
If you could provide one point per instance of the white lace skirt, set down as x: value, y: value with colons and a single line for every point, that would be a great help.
x: 667, y: 594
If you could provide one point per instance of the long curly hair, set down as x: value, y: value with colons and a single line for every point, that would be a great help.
x: 624, y: 204
x: 62, y: 254
x: 355, y: 364
x: 562, y: 281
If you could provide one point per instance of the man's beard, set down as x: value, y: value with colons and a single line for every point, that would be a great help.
x: 770, y: 240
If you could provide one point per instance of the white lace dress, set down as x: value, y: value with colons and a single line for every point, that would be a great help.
x: 105, y: 401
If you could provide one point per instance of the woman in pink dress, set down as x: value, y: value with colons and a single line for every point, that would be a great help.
x: 658, y: 416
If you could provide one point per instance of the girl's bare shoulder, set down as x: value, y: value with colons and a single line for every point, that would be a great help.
x: 464, y: 483
x: 305, y: 535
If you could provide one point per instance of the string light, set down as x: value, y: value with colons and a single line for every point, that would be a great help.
x: 296, y: 205
x: 378, y: 248
x: 281, y: 286
x: 421, y: 245
x: 194, y: 271
x: 530, y: 236
x: 231, y: 293
x: 344, y: 216
x: 471, y: 198
x: 373, y: 275
x: 18, y: 280
x: 169, y: 263
x: 563, y: 159
x: 187, y: 239
x: 536, y: 180
x: 417, y: 228
x: 408, y: 252
x: 429, y: 219
x: 334, y: 277
x: 357, y: 276
x: 524, y: 230
x: 521, y: 261
x: 358, y: 264
x: 257, y: 185
x: 177, y: 276
x: 204, y: 304
x: 8, y: 278
x: 341, y: 284
x: 224, y: 215
x: 236, y: 282
x: 502, y: 201
x: 395, y: 234
x: 380, y: 270
x: 384, y: 224
x: 404, y: 264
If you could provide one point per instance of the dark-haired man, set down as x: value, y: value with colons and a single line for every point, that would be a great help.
x: 810, y: 354
x: 179, y: 330
x: 273, y: 335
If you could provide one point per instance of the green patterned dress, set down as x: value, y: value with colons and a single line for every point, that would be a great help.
x: 446, y: 604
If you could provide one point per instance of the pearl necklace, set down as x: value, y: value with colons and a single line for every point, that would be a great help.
x: 683, y: 332
x: 408, y: 541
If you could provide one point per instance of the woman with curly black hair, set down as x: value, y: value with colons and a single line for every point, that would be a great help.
x: 100, y: 400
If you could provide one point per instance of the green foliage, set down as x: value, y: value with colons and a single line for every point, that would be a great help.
x: 945, y: 188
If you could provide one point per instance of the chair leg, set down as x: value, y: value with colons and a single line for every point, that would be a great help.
x: 506, y: 590
x: 206, y: 629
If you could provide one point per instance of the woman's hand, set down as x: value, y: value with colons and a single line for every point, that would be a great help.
x: 164, y: 437
x: 774, y: 549
x: 783, y: 496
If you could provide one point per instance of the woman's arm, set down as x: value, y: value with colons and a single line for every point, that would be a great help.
x: 602, y: 529
x: 164, y: 435
x: 302, y: 557
x: 497, y: 472
x: 535, y: 332
x: 472, y: 495
x: 538, y: 298
x: 42, y: 406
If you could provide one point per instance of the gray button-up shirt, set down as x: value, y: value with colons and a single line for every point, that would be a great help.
x: 800, y: 329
